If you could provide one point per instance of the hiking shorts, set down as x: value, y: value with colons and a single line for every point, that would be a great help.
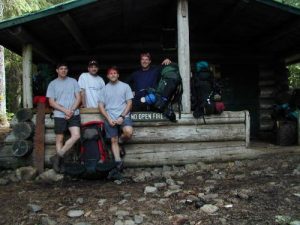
x: 116, y: 130
x: 61, y: 125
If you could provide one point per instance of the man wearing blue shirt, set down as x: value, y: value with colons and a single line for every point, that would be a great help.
x: 146, y: 77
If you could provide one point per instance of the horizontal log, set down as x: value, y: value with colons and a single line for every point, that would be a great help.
x: 264, y: 83
x: 22, y: 147
x: 182, y: 133
x: 222, y: 132
x: 266, y: 125
x: 147, y: 154
x: 266, y: 103
x: 227, y: 117
x: 13, y: 162
x: 23, y: 130
x: 265, y: 116
x: 133, y: 150
x: 266, y: 74
x: 9, y: 161
x: 266, y: 93
x: 206, y: 152
x: 24, y: 115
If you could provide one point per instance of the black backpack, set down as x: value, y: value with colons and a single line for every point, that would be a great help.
x: 168, y: 91
x: 202, y: 92
x: 95, y: 158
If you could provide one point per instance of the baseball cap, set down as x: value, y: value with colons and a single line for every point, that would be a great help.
x: 93, y: 63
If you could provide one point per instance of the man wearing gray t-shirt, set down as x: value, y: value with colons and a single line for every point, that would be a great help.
x: 64, y: 97
x: 115, y: 105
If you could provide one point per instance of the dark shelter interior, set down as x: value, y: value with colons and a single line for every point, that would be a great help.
x: 247, y: 41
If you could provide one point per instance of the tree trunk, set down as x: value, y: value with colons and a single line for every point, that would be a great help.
x: 3, y: 118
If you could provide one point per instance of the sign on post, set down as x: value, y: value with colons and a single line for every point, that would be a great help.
x: 147, y: 116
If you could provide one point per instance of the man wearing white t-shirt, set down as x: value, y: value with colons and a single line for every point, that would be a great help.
x: 91, y: 84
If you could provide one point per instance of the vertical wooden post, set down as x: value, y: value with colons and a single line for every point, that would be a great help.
x: 184, y: 52
x: 27, y: 76
x: 39, y: 139
x: 298, y: 128
x: 247, y: 126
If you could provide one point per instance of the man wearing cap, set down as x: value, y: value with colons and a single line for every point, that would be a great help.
x: 146, y: 77
x: 115, y: 105
x: 91, y: 84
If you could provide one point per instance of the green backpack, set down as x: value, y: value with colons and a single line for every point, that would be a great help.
x: 169, y: 91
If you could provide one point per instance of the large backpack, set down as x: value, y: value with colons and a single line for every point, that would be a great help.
x: 204, y: 92
x: 95, y: 158
x: 168, y: 92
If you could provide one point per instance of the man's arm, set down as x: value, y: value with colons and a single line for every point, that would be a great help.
x: 120, y: 120
x: 59, y: 107
x: 166, y: 62
x: 82, y: 93
x: 105, y: 114
x: 77, y: 102
x: 82, y: 85
x: 128, y: 107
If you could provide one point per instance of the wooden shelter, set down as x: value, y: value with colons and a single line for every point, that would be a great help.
x: 248, y: 41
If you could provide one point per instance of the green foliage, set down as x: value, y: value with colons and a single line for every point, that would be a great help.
x: 294, y: 78
x: 10, y: 116
x: 294, y: 3
x: 13, y: 62
x: 14, y: 8
x: 294, y: 70
x: 13, y: 70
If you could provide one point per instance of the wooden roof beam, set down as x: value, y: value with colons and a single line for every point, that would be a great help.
x: 277, y: 34
x: 292, y: 59
x: 21, y: 34
x: 70, y: 24
x: 228, y: 16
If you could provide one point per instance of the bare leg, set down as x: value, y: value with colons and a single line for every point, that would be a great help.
x: 59, y: 138
x: 56, y: 159
x: 115, y: 148
x: 127, y: 133
x: 75, y: 135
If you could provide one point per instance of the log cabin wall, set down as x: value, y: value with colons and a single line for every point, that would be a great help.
x: 267, y: 86
x: 272, y: 77
x: 223, y: 137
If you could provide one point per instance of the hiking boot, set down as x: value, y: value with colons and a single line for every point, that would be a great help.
x: 62, y: 168
x: 120, y: 166
x: 114, y: 174
x: 122, y: 151
x: 56, y: 163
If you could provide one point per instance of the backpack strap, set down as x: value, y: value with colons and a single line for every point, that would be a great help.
x: 179, y: 102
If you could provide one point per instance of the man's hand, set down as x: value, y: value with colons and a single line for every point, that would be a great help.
x: 69, y: 113
x: 120, y: 120
x: 112, y: 122
x: 166, y: 62
x: 67, y: 117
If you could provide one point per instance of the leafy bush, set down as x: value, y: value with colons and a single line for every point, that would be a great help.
x: 294, y: 78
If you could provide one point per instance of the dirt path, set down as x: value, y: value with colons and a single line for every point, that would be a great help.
x: 244, y: 192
